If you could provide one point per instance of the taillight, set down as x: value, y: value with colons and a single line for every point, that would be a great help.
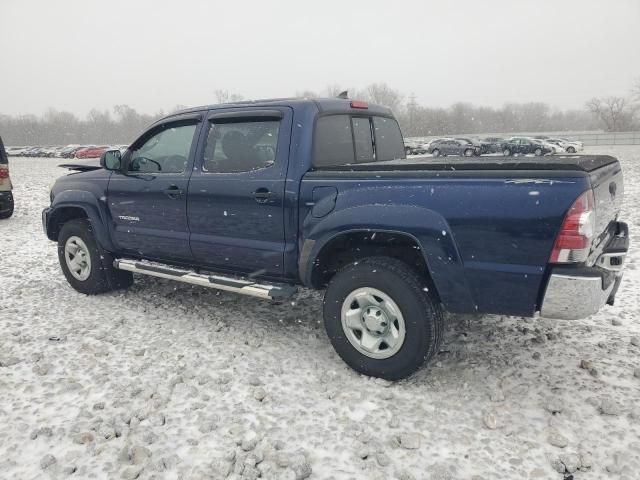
x: 4, y: 172
x: 573, y: 242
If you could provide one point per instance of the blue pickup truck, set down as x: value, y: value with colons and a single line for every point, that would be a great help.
x: 260, y: 197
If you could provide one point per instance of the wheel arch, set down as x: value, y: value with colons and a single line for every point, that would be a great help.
x: 70, y: 205
x: 417, y: 236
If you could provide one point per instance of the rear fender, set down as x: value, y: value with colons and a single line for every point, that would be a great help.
x: 430, y: 231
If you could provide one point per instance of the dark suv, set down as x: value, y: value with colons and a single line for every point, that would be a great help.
x: 523, y: 145
x: 453, y: 147
x: 6, y: 197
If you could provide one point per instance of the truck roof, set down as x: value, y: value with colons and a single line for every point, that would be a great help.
x: 322, y: 104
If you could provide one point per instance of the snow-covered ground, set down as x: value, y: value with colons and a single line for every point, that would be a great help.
x: 173, y: 381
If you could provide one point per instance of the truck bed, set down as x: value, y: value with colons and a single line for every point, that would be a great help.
x: 585, y: 163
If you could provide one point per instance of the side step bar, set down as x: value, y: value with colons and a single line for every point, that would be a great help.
x: 244, y: 287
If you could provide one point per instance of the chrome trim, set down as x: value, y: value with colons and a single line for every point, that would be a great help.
x: 266, y: 292
x: 573, y: 297
x: 604, y: 261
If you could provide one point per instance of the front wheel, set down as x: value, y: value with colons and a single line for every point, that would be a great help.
x: 538, y: 152
x: 436, y: 153
x: 506, y: 152
x: 571, y: 150
x: 469, y: 152
x: 382, y: 318
x: 87, y: 267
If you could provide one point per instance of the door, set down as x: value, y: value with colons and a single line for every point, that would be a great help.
x: 525, y: 146
x: 236, y: 193
x: 148, y: 201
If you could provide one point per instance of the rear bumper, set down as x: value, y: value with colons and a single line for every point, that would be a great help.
x: 577, y: 292
x: 6, y: 201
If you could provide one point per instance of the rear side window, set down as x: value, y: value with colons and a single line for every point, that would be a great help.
x: 389, y: 144
x: 345, y: 140
x: 241, y: 146
x: 333, y: 141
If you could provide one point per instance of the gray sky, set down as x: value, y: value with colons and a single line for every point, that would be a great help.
x: 75, y: 55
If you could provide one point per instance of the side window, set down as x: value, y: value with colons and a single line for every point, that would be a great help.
x: 362, y: 139
x: 241, y: 146
x: 388, y: 138
x: 333, y: 143
x: 165, y: 152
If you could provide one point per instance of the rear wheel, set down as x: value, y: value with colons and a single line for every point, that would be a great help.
x: 381, y: 318
x: 469, y: 152
x: 87, y: 267
x: 506, y: 152
x: 571, y: 150
x: 538, y: 152
x: 436, y: 152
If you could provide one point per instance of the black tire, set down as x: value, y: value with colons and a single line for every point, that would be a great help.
x: 103, y: 277
x: 538, y: 152
x: 8, y: 207
x: 469, y: 152
x: 571, y: 150
x: 423, y: 318
x: 506, y: 152
x: 435, y: 152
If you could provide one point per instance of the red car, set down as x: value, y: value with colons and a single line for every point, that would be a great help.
x: 91, y: 152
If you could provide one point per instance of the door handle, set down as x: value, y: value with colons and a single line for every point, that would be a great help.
x: 262, y: 195
x: 173, y: 191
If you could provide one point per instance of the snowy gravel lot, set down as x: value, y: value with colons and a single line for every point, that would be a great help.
x: 174, y: 381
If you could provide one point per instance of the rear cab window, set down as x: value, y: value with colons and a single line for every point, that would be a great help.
x: 345, y: 139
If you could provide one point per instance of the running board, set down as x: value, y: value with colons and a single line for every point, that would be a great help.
x: 244, y: 287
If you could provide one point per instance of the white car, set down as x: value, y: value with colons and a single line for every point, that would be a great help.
x: 567, y: 145
x: 16, y: 151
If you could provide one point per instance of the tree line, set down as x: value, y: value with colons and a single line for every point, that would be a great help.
x: 122, y: 124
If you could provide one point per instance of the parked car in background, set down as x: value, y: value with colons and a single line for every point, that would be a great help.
x: 92, y: 152
x: 15, y: 151
x: 414, y: 148
x: 525, y: 145
x: 68, y: 151
x: 36, y: 152
x: 6, y: 195
x: 567, y: 145
x: 482, y: 147
x: 453, y: 146
x: 493, y: 144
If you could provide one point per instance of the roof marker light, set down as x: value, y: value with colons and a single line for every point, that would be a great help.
x: 359, y: 104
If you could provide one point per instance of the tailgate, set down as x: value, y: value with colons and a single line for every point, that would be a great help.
x: 608, y: 192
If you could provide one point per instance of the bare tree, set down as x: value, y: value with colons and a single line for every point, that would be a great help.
x: 306, y: 94
x: 383, y: 94
x: 223, y: 96
x: 616, y: 113
x: 635, y: 92
x: 333, y: 90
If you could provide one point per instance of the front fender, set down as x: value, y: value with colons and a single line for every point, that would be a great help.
x: 426, y: 227
x: 94, y: 210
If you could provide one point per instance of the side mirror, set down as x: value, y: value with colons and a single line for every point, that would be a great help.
x: 111, y: 160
